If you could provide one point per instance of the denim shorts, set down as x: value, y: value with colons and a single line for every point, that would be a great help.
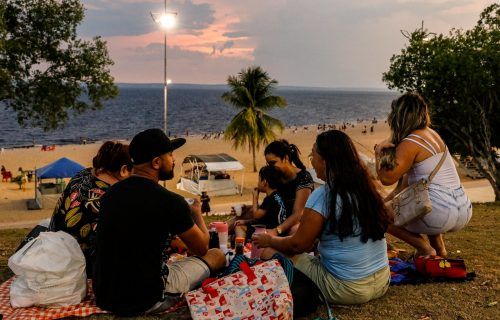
x: 451, y: 211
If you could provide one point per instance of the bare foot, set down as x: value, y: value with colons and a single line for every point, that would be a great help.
x: 425, y: 252
x: 437, y: 242
x: 442, y: 253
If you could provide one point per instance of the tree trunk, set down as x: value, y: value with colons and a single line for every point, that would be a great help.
x: 479, y: 149
x: 491, y: 173
x: 253, y: 157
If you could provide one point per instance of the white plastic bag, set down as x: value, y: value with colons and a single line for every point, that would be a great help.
x: 50, y: 270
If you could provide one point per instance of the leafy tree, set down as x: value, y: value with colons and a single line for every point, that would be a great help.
x: 45, y: 70
x: 459, y: 76
x: 251, y: 93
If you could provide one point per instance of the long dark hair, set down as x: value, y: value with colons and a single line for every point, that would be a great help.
x: 282, y: 148
x: 111, y: 157
x: 347, y: 178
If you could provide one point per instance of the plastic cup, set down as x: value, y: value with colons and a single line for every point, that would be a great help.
x: 223, y: 231
x: 238, y: 209
x: 256, y: 252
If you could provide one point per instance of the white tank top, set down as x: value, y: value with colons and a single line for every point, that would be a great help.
x: 446, y: 176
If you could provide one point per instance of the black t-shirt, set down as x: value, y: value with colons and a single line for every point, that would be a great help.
x: 137, y: 220
x: 288, y: 191
x: 275, y: 211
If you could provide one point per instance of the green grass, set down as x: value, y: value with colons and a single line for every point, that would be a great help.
x: 478, y: 244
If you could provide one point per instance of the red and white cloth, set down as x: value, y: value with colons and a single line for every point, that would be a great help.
x: 258, y: 292
x: 86, y: 308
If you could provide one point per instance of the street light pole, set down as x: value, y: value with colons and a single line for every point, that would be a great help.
x: 165, y: 75
x: 166, y: 20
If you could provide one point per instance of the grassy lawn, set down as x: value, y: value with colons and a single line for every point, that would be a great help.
x: 478, y: 244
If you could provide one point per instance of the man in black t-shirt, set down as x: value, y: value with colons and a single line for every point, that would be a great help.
x: 272, y: 211
x: 137, y: 221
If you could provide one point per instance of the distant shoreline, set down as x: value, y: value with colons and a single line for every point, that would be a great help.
x: 278, y: 88
x: 366, y: 122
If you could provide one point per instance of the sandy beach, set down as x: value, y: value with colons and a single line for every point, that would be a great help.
x: 14, y: 213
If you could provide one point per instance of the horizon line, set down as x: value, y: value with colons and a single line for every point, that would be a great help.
x: 278, y: 86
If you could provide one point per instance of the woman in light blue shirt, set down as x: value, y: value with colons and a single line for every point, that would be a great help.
x: 349, y: 218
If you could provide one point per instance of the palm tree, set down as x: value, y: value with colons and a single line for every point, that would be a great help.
x: 251, y: 92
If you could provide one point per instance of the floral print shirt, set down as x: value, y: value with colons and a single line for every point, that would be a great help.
x: 77, y: 211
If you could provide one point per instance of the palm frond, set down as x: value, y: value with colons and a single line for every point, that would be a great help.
x: 270, y: 102
x: 251, y: 92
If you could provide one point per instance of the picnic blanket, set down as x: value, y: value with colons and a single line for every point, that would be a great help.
x: 86, y: 308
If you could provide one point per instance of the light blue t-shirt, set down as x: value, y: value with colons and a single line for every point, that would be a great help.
x: 350, y: 259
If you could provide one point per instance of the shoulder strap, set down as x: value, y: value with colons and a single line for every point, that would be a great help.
x: 436, y: 169
x: 424, y: 140
x: 422, y: 145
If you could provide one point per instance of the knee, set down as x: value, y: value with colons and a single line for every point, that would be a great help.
x: 216, y: 259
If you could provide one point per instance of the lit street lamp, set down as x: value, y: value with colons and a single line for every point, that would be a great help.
x: 166, y: 20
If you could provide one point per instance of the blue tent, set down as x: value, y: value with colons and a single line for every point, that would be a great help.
x: 62, y: 168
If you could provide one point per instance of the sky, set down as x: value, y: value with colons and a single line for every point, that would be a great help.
x: 313, y: 43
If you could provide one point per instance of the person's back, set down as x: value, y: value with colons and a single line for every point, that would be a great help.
x: 137, y: 222
x: 138, y: 218
x: 433, y: 148
x: 77, y: 211
x: 348, y: 258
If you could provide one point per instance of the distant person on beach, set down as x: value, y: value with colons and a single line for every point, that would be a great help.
x: 348, y: 217
x: 6, y: 175
x: 77, y: 211
x: 205, y: 203
x: 411, y: 153
x: 297, y: 183
x: 138, y: 220
x: 271, y: 212
x: 21, y: 179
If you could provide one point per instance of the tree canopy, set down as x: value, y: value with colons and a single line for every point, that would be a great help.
x: 251, y: 93
x: 46, y: 71
x: 459, y: 76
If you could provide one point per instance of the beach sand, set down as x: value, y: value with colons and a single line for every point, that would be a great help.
x: 13, y: 211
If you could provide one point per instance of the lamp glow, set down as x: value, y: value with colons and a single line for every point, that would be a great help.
x: 167, y: 21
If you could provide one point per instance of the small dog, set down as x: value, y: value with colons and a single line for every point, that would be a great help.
x: 387, y: 159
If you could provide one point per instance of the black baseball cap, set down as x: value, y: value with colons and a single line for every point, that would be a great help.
x: 152, y: 143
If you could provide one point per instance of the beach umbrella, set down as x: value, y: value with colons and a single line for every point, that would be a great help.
x: 62, y: 168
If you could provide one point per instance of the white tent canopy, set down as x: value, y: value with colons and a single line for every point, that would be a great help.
x: 209, y: 173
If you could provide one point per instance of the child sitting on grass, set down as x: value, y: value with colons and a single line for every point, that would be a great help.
x: 271, y: 212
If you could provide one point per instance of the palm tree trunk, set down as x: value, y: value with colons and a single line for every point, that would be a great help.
x: 253, y: 157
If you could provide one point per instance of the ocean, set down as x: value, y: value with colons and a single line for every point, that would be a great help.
x: 196, y: 108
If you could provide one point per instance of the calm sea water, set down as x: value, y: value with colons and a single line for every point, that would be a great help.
x: 197, y: 109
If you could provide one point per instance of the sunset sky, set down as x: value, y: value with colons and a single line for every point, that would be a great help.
x: 322, y: 43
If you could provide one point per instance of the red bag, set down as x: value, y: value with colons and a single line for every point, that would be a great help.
x: 437, y: 267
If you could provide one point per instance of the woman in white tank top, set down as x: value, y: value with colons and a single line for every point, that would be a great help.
x: 412, y: 153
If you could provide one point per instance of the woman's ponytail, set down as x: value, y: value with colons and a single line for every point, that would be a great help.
x: 294, y: 156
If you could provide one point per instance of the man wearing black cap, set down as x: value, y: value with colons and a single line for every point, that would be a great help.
x: 137, y: 221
